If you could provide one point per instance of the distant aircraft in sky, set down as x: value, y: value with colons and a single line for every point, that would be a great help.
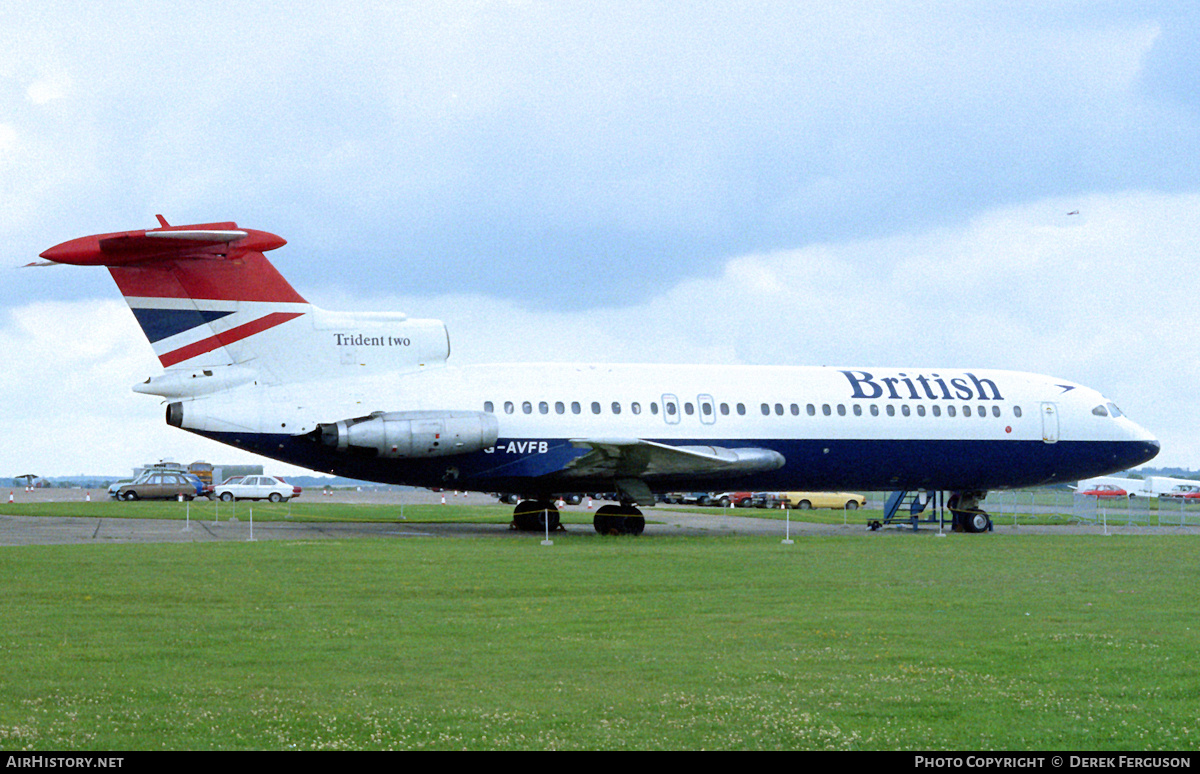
x: 248, y: 362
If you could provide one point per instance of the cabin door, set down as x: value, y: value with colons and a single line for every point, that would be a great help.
x: 1050, y: 422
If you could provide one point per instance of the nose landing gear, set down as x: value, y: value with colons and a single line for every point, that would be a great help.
x: 966, y: 513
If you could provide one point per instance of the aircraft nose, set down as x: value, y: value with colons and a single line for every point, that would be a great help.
x: 1144, y: 449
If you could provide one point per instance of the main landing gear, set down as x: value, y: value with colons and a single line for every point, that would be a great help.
x: 966, y: 513
x: 540, y: 515
x: 536, y: 516
x: 619, y: 520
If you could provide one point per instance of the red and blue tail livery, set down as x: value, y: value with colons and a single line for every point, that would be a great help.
x: 248, y: 362
x: 196, y: 291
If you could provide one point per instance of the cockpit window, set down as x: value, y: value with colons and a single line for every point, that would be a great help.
x: 1116, y: 412
x: 1100, y: 411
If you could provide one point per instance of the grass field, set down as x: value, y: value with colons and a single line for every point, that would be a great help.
x: 893, y: 642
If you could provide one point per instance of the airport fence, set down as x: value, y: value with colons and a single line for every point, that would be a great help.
x: 1144, y: 511
x: 1027, y: 505
x: 1183, y: 513
x: 1059, y: 506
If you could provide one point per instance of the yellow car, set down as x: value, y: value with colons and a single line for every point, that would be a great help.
x: 806, y: 500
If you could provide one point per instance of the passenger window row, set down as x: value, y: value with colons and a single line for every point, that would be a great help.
x: 706, y: 409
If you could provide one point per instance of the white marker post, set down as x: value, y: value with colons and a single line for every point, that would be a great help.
x: 546, y: 523
x: 787, y: 520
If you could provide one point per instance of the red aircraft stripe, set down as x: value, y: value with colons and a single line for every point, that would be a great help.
x: 228, y: 337
x: 249, y: 277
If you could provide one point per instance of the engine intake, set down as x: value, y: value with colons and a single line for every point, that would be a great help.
x: 402, y: 434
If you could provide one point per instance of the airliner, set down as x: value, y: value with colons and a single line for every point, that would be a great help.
x: 371, y: 396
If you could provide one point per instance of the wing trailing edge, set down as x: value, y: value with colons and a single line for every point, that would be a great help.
x: 642, y: 459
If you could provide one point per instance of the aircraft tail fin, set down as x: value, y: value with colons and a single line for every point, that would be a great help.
x: 196, y: 291
x: 212, y: 305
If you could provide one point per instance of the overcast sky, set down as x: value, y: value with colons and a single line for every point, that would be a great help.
x: 797, y: 183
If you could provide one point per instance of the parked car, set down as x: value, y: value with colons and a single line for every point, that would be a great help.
x: 688, y: 498
x: 766, y: 500
x: 806, y: 500
x: 1182, y: 491
x: 1106, y: 490
x: 270, y: 488
x: 159, y: 485
x: 574, y: 498
x: 736, y: 499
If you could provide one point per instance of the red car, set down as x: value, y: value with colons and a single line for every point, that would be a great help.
x: 736, y: 499
x: 1182, y: 492
x: 1106, y: 490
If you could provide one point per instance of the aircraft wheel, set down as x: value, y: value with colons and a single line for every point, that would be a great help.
x: 618, y: 520
x: 978, y: 522
x: 532, y: 515
x: 974, y: 521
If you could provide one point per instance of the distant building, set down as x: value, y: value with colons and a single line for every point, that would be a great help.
x: 205, y: 471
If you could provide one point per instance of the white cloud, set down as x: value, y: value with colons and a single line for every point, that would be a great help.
x: 66, y: 406
x: 8, y: 143
x: 49, y: 88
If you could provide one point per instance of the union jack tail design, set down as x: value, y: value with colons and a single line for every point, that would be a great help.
x: 219, y: 315
x: 204, y: 295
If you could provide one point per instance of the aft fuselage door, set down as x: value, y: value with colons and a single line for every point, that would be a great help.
x: 708, y: 409
x: 1050, y: 422
x: 671, y: 409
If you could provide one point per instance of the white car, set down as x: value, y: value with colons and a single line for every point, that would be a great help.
x: 256, y: 488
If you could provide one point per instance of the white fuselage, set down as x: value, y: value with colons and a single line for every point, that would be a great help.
x: 950, y: 426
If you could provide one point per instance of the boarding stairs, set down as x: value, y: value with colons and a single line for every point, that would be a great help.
x: 907, y: 507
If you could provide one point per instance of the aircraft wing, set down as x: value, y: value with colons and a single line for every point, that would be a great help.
x: 641, y: 459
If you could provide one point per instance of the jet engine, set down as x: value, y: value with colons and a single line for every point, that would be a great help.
x: 402, y: 434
